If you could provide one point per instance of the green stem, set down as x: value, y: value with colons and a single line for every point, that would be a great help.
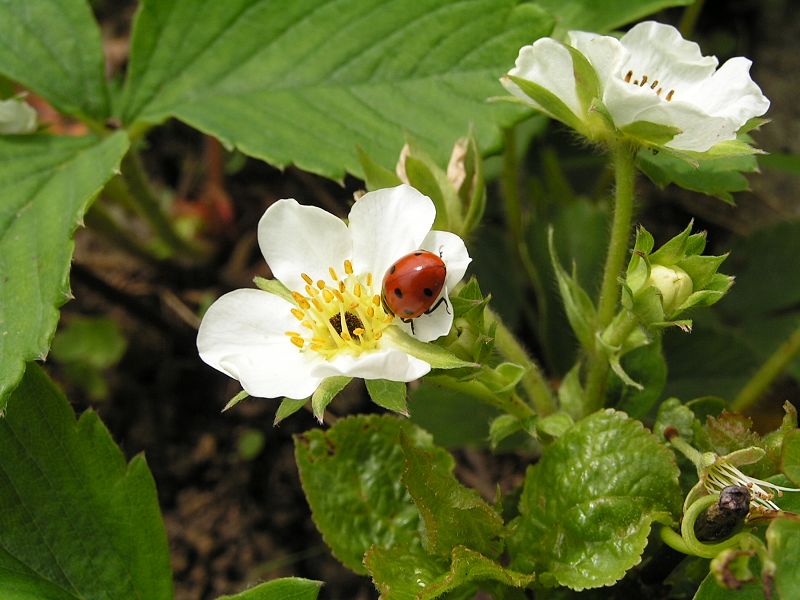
x: 694, y: 545
x: 509, y: 183
x: 689, y: 18
x: 512, y: 405
x: 624, y: 179
x: 149, y: 207
x: 768, y: 372
x: 533, y: 381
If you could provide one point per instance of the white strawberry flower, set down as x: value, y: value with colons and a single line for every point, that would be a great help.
x: 334, y: 323
x: 650, y: 75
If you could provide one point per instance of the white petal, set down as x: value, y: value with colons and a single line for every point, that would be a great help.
x: 604, y: 52
x: 453, y: 252
x: 731, y: 93
x: 298, y: 239
x: 243, y: 335
x: 660, y: 52
x: 386, y: 225
x: 549, y: 64
x: 386, y: 363
x: 625, y: 102
x: 428, y: 327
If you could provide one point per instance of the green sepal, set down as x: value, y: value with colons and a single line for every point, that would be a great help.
x: 571, y: 395
x: 376, y: 176
x: 674, y: 249
x: 436, y: 356
x: 549, y: 103
x: 325, y: 393
x: 645, y: 133
x: 587, y: 84
x: 452, y: 514
x: 504, y: 426
x: 273, y: 286
x: 473, y: 191
x: 555, y: 425
x: 391, y: 395
x: 235, y: 400
x: 580, y: 310
x: 505, y: 378
x: 288, y: 407
x: 701, y: 268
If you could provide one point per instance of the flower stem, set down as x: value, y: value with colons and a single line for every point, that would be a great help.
x: 624, y: 179
x: 689, y: 18
x: 765, y: 375
x: 533, y: 381
x: 697, y: 547
x: 149, y: 207
x: 512, y: 404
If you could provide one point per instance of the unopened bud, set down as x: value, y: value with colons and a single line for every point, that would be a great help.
x: 674, y: 284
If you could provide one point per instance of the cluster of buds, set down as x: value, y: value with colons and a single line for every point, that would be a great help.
x: 659, y: 286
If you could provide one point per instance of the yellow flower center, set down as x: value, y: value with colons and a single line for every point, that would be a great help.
x: 343, y: 315
x: 654, y: 84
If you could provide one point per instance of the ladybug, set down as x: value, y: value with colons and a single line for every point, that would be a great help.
x: 412, y: 284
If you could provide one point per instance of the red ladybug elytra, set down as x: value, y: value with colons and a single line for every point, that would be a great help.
x: 412, y: 284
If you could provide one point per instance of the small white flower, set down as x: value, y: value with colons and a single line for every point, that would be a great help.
x: 334, y: 270
x: 649, y: 75
x: 721, y: 473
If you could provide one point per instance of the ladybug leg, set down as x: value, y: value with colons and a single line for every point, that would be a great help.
x: 410, y: 322
x: 435, y: 306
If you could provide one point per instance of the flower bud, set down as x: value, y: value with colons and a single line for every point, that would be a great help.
x: 674, y: 284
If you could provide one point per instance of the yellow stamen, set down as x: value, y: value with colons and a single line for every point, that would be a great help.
x: 338, y: 295
x: 342, y: 287
x: 357, y: 290
x: 359, y: 331
x: 348, y: 267
x: 669, y: 96
x: 376, y: 300
x: 321, y: 284
x: 369, y: 279
x: 318, y: 305
x: 311, y: 291
x: 298, y: 314
x: 346, y: 336
x: 298, y: 341
x: 378, y: 335
x: 334, y: 276
x: 292, y: 334
x: 327, y: 295
x: 370, y: 312
x: 307, y: 278
x: 308, y: 325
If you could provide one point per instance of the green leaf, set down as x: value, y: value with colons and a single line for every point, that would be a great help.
x: 469, y: 566
x: 390, y: 569
x: 351, y: 475
x: 600, y: 17
x: 711, y: 590
x: 288, y: 588
x: 323, y: 77
x: 783, y: 538
x: 77, y: 521
x: 588, y: 504
x: 54, y: 49
x: 715, y: 176
x: 97, y: 342
x: 453, y: 514
x: 288, y: 407
x: 790, y: 456
x: 325, y: 393
x: 47, y: 183
x: 391, y: 395
x: 647, y: 366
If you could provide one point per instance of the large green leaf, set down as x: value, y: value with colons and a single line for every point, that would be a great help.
x: 53, y: 48
x: 453, y: 514
x: 600, y: 17
x: 587, y: 505
x: 288, y: 588
x: 47, y: 184
x: 305, y: 82
x: 77, y: 522
x: 351, y: 476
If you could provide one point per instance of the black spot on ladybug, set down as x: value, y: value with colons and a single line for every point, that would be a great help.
x: 428, y: 292
x: 393, y: 269
x: 398, y: 292
x: 417, y: 253
x: 408, y: 312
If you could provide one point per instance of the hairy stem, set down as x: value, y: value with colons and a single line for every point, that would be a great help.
x: 689, y: 18
x: 624, y: 179
x: 512, y: 405
x: 769, y: 371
